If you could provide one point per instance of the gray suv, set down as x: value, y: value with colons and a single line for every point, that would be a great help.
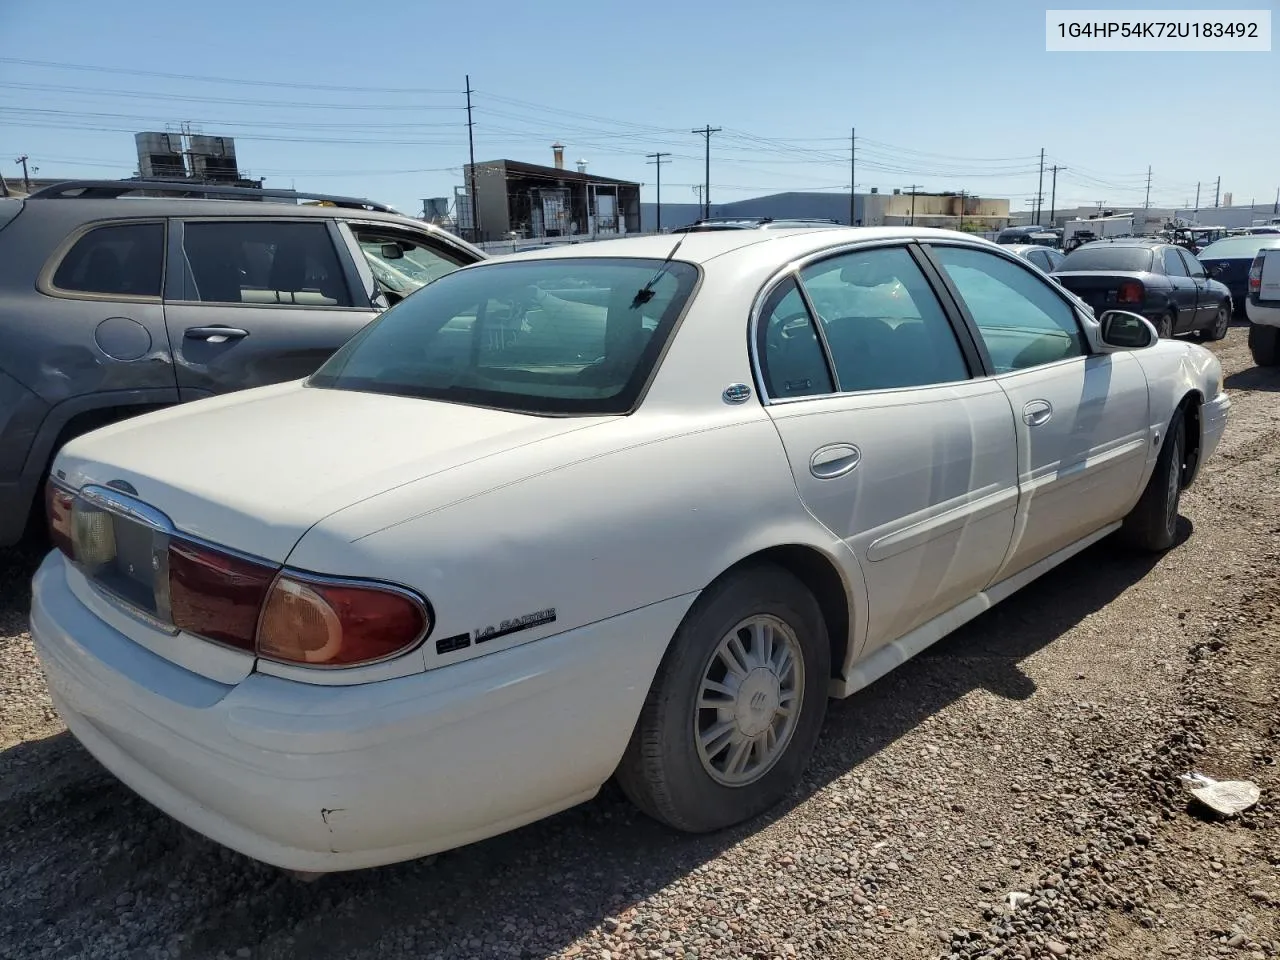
x: 114, y: 304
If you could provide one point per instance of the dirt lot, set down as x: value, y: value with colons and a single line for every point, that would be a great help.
x: 1035, y: 751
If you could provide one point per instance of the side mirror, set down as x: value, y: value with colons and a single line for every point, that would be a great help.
x: 391, y: 251
x: 1127, y: 331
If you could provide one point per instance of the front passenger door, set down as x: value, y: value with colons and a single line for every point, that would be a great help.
x: 1081, y: 419
x: 253, y: 302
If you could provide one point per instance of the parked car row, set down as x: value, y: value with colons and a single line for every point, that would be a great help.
x: 484, y: 557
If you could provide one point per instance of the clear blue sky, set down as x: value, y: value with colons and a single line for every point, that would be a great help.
x: 366, y: 99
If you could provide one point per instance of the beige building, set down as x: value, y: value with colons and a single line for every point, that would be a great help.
x: 953, y: 211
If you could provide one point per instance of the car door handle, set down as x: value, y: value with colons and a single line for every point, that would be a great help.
x: 215, y: 334
x: 834, y: 460
x: 1037, y: 412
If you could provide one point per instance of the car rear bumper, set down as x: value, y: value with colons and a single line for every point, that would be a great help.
x: 325, y: 778
x: 1264, y: 315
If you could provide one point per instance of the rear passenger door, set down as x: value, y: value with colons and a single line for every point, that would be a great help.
x: 253, y: 302
x: 1206, y: 302
x: 1081, y: 418
x: 894, y: 445
x: 1184, y: 287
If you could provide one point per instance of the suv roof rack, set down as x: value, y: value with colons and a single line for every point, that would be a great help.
x: 112, y: 189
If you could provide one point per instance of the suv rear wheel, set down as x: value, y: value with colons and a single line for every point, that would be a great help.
x: 1264, y: 344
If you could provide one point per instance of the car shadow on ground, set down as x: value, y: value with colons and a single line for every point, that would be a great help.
x: 93, y: 840
x: 1254, y: 378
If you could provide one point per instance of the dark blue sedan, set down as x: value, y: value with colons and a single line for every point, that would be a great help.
x: 1228, y: 261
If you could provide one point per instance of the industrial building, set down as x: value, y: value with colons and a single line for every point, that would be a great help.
x: 189, y: 156
x: 530, y: 201
x: 872, y: 209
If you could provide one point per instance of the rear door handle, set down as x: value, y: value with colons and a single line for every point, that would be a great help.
x: 834, y: 460
x: 1037, y: 412
x: 215, y: 334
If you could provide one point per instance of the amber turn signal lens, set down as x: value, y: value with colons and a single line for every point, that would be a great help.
x: 326, y: 624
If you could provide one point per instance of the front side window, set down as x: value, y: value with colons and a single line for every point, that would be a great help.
x: 1021, y: 320
x: 1173, y: 265
x: 791, y: 356
x: 125, y: 260
x: 551, y: 336
x: 263, y: 262
x: 400, y: 264
x: 882, y: 322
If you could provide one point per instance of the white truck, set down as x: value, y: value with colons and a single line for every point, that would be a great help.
x: 1083, y: 229
x: 1262, y: 305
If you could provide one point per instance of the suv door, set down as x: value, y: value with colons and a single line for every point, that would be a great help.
x: 1206, y: 302
x: 1184, y: 288
x: 1081, y: 419
x: 256, y: 301
x: 893, y: 446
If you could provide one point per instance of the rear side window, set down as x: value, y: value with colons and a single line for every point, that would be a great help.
x: 283, y: 263
x: 1173, y: 265
x: 791, y: 357
x: 125, y: 260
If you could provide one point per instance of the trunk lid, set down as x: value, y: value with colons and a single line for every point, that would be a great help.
x: 254, y: 470
x: 1100, y: 289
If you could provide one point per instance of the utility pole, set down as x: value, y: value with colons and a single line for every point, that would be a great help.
x: 1197, y: 210
x: 657, y: 161
x: 471, y: 148
x: 706, y: 132
x: 913, y: 188
x: 1217, y: 191
x: 853, y: 175
x: 1040, y: 188
x: 1099, y: 203
x: 960, y: 219
x: 1146, y: 204
x: 26, y: 178
x: 1053, y: 195
x: 1275, y: 207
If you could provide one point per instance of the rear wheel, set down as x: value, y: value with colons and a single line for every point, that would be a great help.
x: 1264, y: 344
x: 1221, y: 323
x: 1152, y: 524
x: 1167, y: 323
x: 736, y: 706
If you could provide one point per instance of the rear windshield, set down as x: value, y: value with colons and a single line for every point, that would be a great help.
x: 571, y: 336
x: 1239, y: 248
x: 1129, y: 259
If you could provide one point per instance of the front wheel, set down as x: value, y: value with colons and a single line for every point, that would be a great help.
x: 1221, y: 323
x: 736, y: 707
x: 1152, y: 524
x: 1264, y: 344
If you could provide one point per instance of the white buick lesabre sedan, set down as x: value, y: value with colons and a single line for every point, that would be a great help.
x: 630, y: 509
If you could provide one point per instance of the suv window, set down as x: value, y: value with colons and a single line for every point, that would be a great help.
x: 791, y: 358
x: 1022, y: 321
x: 262, y: 262
x: 399, y: 264
x: 882, y: 322
x: 125, y: 260
x: 1173, y: 264
x: 573, y: 335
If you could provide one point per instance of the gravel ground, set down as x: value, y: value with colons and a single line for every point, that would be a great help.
x: 1035, y: 752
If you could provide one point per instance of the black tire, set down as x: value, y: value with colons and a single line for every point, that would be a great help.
x: 1167, y: 323
x: 661, y: 770
x: 1264, y: 344
x: 1221, y: 323
x: 1152, y: 525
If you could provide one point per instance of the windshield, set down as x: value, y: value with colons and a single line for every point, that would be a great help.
x: 542, y: 336
x: 1239, y: 248
x: 1128, y: 259
x: 402, y: 266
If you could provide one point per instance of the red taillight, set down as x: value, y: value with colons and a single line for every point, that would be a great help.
x: 1255, y: 275
x: 216, y: 595
x: 58, y: 504
x: 1131, y: 291
x: 315, y: 622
